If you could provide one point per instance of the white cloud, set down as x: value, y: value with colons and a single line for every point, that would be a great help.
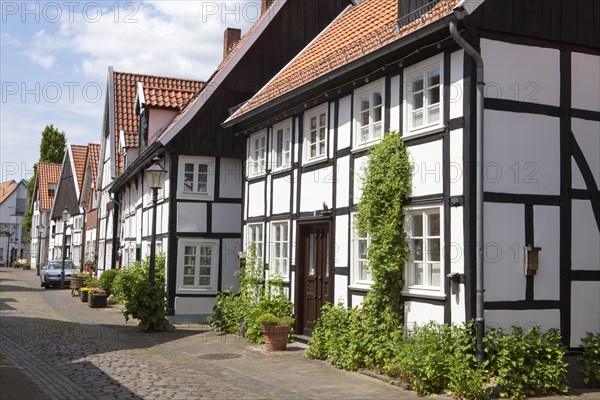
x: 6, y: 39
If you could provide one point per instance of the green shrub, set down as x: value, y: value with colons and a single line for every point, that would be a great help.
x: 330, y: 336
x: 590, y: 359
x: 269, y: 319
x: 106, y: 280
x: 91, y: 281
x: 526, y: 363
x: 142, y: 300
x: 239, y: 312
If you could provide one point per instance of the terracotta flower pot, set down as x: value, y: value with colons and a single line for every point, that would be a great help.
x: 276, y: 337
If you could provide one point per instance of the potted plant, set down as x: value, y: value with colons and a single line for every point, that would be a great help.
x: 275, y: 330
x: 84, y: 294
x: 97, y: 298
x: 77, y: 281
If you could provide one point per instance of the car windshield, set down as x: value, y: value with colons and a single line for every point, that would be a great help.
x: 58, y: 265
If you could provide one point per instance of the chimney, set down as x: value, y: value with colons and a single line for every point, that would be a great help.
x: 264, y: 5
x: 231, y: 37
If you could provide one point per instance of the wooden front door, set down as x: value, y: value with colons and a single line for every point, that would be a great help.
x: 315, y: 283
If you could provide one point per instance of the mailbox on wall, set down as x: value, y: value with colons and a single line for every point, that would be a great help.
x: 532, y: 258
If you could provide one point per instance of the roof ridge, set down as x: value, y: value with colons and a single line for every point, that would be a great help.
x: 157, y: 76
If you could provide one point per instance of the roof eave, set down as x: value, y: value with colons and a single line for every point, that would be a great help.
x: 254, y: 113
x: 136, y: 166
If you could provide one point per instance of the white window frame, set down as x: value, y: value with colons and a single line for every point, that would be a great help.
x: 308, y: 115
x: 423, y: 67
x: 370, y: 89
x: 426, y: 288
x: 214, y: 265
x: 273, y: 270
x: 259, y: 244
x: 355, y: 260
x: 286, y: 127
x: 195, y: 194
x: 257, y: 165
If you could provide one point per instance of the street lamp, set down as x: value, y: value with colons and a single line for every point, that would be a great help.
x: 155, y: 176
x: 65, y: 218
x: 39, y: 251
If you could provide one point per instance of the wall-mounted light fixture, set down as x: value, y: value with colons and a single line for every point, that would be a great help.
x: 532, y: 259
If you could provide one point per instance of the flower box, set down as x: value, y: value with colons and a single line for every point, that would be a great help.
x: 97, y: 300
x: 84, y: 295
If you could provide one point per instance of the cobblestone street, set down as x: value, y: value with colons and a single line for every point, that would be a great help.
x: 55, y: 347
x: 73, y: 352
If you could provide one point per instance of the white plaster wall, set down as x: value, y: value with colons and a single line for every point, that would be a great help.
x: 341, y: 242
x: 457, y: 170
x: 191, y: 217
x: 456, y: 89
x: 316, y: 188
x: 269, y: 189
x: 226, y: 218
x: 357, y: 300
x: 521, y: 73
x: 587, y: 134
x: 281, y: 195
x: 395, y: 107
x: 139, y: 224
x: 194, y: 305
x: 585, y: 251
x: 256, y: 199
x: 342, y: 185
x: 230, y: 249
x: 546, y: 235
x: 344, y: 122
x: 457, y: 263
x: 331, y: 130
x: 359, y: 164
x: 585, y: 297
x: 164, y: 218
x: 428, y: 168
x: 504, y: 239
x: 521, y: 153
x: 158, y: 119
x: 416, y: 313
x: 246, y: 201
x: 230, y: 177
x: 341, y: 290
x: 584, y: 78
x: 294, y: 191
x: 525, y: 318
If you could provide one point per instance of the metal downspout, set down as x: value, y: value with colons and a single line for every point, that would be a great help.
x: 479, y: 316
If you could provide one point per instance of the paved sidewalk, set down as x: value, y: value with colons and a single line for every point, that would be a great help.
x: 57, y: 347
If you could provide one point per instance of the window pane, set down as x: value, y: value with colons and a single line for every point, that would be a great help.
x: 433, y: 228
x: 322, y: 120
x: 362, y: 249
x: 204, y: 260
x: 364, y: 134
x: 188, y: 280
x: 364, y: 103
x: 433, y: 77
x: 377, y: 130
x: 417, y: 100
x: 311, y: 256
x: 433, y: 96
x: 418, y: 274
x: 190, y: 250
x: 377, y: 114
x: 313, y: 150
x: 418, y: 249
x: 364, y: 118
x: 313, y: 136
x: 204, y: 271
x: 434, y: 114
x: 204, y: 281
x: 313, y: 123
x: 377, y: 99
x: 203, y: 168
x: 322, y: 148
x: 435, y: 274
x: 277, y: 249
x: 189, y: 167
x: 363, y: 270
x: 417, y: 225
x: 417, y: 83
x: 433, y: 249
x: 417, y: 119
x: 189, y: 270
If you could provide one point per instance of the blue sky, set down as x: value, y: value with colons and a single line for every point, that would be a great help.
x: 54, y: 57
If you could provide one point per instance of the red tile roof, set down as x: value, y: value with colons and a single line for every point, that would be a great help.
x: 93, y: 158
x: 125, y: 91
x: 46, y: 174
x: 238, y: 45
x: 79, y: 155
x: 168, y: 98
x: 361, y: 30
x: 6, y: 189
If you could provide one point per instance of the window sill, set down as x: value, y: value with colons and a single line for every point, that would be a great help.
x: 315, y: 160
x: 196, y: 291
x: 195, y: 196
x: 360, y: 286
x: 430, y: 130
x: 281, y: 170
x: 425, y: 293
x: 365, y: 146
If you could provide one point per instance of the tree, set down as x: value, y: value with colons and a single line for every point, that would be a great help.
x: 52, y: 150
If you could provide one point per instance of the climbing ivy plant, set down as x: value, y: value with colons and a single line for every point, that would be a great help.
x: 386, y: 183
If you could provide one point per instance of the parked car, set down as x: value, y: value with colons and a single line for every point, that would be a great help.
x: 50, y: 274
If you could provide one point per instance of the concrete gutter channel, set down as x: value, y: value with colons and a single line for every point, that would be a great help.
x: 227, y: 360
